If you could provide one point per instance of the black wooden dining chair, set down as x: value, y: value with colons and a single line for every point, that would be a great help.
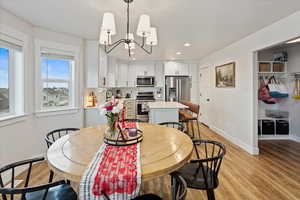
x: 148, y: 197
x: 175, y: 125
x: 179, y: 186
x: 202, y: 173
x: 178, y: 190
x: 58, y: 190
x: 58, y: 133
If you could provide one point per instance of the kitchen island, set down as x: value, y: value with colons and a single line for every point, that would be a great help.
x: 162, y: 111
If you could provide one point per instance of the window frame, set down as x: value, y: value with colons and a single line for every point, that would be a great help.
x: 63, y: 50
x: 70, y: 83
x: 12, y: 81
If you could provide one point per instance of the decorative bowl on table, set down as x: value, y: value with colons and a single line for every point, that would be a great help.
x: 124, y: 137
x: 118, y: 132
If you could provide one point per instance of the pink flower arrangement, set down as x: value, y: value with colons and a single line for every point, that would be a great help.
x: 112, y: 110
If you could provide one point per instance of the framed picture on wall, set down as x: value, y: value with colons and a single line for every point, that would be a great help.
x: 225, y: 75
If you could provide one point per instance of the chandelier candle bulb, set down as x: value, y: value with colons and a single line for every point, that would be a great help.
x: 131, y: 45
x: 105, y: 38
x: 108, y: 23
x: 152, y: 39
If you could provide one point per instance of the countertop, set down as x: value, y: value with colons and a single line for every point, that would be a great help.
x: 99, y: 106
x: 88, y: 108
x: 166, y: 105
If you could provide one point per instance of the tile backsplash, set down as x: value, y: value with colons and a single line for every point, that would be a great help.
x: 100, y: 93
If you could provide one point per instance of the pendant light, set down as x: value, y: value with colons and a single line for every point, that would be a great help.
x: 144, y: 30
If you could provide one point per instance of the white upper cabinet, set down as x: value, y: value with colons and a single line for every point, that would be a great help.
x: 92, y: 63
x: 159, y: 75
x: 102, y: 68
x: 132, y: 74
x: 96, y: 65
x: 108, y: 71
x: 122, y: 80
x: 145, y: 69
x: 176, y: 69
x: 112, y: 72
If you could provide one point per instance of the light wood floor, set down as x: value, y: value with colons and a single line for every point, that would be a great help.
x: 274, y: 174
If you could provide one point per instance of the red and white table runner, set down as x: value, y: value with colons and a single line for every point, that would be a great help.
x: 115, y: 171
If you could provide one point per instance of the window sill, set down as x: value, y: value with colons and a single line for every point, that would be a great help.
x: 12, y: 119
x: 64, y: 111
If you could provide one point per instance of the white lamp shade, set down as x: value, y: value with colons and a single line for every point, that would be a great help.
x: 152, y: 38
x: 143, y: 29
x: 108, y: 23
x: 104, y: 38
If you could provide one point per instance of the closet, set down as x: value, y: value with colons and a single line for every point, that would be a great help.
x: 279, y: 92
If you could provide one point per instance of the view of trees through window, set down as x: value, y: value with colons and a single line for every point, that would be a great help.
x: 4, y: 81
x: 56, y: 79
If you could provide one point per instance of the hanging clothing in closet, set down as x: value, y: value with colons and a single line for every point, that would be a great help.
x: 271, y: 90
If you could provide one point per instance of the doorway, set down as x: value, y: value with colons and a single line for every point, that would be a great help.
x: 204, y: 97
x: 277, y: 80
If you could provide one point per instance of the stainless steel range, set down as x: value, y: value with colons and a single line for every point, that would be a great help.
x: 142, y: 100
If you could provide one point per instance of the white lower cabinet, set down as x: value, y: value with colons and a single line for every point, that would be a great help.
x: 93, y: 117
x: 130, y: 111
x: 157, y: 116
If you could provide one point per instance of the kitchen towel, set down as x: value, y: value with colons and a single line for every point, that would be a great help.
x: 115, y: 172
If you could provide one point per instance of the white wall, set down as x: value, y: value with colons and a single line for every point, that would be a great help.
x: 25, y: 137
x: 294, y: 66
x: 233, y: 111
x: 294, y: 58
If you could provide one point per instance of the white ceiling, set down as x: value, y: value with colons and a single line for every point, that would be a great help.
x: 207, y: 24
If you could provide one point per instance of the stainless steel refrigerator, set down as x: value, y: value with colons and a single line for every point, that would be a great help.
x: 178, y: 88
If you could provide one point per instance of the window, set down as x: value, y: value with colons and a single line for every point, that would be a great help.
x: 56, y: 77
x: 4, y: 89
x: 57, y: 81
x: 11, y: 79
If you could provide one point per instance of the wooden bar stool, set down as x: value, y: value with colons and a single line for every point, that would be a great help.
x: 189, y: 115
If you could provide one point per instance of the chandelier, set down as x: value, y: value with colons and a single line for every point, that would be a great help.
x: 144, y: 30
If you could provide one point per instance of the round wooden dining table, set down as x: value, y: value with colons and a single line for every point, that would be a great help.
x: 163, y: 150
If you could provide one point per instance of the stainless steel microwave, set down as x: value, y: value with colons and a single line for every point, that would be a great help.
x: 145, y: 81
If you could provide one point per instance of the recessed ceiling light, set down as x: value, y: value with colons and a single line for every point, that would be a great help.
x: 178, y: 53
x: 293, y: 41
x: 187, y: 44
x: 133, y: 58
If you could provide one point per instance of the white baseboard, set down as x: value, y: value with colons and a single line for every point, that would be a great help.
x: 274, y: 137
x: 251, y: 150
x: 280, y: 137
x: 295, y: 138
